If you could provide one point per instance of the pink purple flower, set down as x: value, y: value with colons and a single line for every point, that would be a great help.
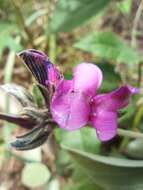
x: 75, y: 103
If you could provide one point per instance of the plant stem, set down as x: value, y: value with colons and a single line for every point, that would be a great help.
x: 21, y: 21
x: 139, y: 74
x: 135, y: 24
x: 8, y: 73
x: 52, y: 48
x: 129, y: 134
x: 9, y: 67
x: 7, y: 79
x: 138, y: 117
x: 136, y: 122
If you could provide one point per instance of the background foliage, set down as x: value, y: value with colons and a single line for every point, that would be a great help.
x: 105, y: 32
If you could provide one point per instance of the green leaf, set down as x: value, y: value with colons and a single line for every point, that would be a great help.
x: 84, y: 138
x: 87, y: 185
x: 109, y: 46
x: 108, y: 172
x: 6, y: 39
x: 125, y: 6
x: 34, y: 16
x: 83, y: 185
x: 80, y: 181
x: 35, y: 174
x: 71, y: 14
x: 109, y: 75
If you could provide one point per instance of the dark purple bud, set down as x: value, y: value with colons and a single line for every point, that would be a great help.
x: 32, y: 139
x: 41, y: 67
x: 23, y: 121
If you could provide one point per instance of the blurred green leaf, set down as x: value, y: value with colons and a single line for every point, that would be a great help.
x: 33, y: 17
x: 83, y: 185
x: 125, y: 6
x: 71, y: 14
x: 84, y: 138
x: 109, y: 75
x: 6, y: 38
x: 108, y: 172
x: 81, y: 181
x: 35, y: 174
x: 109, y: 46
x: 8, y: 27
x: 127, y: 114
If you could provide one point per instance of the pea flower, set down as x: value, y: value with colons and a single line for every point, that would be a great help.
x: 75, y: 103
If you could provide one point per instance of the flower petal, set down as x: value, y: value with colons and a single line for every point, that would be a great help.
x: 39, y: 64
x: 115, y: 100
x: 69, y: 109
x: 87, y: 78
x: 105, y: 123
x: 104, y: 111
